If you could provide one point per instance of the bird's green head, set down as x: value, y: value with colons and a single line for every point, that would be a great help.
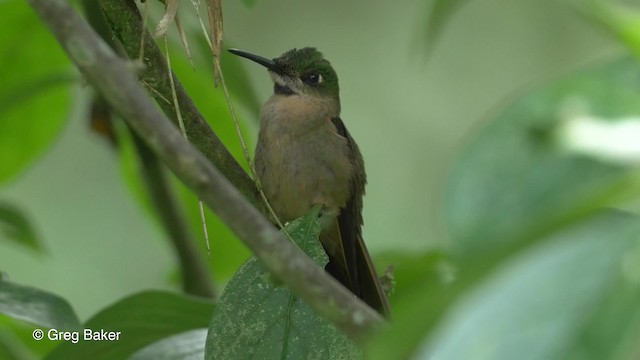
x: 299, y: 72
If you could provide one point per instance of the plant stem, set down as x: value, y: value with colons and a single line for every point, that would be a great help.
x: 196, y: 279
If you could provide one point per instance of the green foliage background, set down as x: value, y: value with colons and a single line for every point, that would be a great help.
x: 495, y: 231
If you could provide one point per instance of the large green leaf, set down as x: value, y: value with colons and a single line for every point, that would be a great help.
x: 612, y: 330
x: 36, y: 306
x: 140, y: 319
x: 16, y: 227
x: 34, y: 91
x: 518, y: 177
x: 257, y: 318
x: 558, y: 298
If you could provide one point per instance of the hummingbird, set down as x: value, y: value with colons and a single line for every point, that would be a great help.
x: 305, y: 157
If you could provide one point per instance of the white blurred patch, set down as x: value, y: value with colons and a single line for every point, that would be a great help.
x: 614, y: 140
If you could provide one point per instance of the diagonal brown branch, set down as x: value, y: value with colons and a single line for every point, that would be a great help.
x: 113, y: 78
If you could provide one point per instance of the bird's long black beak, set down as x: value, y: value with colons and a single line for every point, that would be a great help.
x: 269, y: 64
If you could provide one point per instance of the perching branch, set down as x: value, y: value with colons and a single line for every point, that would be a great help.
x: 112, y: 76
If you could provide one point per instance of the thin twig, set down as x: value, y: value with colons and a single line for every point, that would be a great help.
x: 184, y: 133
x: 172, y: 83
x: 144, y: 26
x: 196, y: 6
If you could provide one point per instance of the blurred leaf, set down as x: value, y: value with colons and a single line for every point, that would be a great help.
x: 613, y: 330
x: 15, y: 226
x: 623, y: 21
x: 8, y: 351
x: 249, y: 3
x: 141, y: 320
x: 34, y: 91
x: 184, y: 346
x: 10, y: 348
x: 16, y: 341
x: 517, y: 180
x: 410, y: 271
x: 542, y: 303
x: 425, y: 284
x: 438, y: 13
x: 37, y: 307
x: 259, y: 319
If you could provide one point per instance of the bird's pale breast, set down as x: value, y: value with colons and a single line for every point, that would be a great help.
x: 301, y: 160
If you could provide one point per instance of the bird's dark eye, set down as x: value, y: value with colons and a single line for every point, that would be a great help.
x: 313, y: 78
